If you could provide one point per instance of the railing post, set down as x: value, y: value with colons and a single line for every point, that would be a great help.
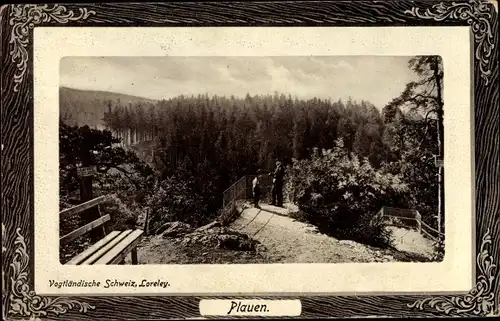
x: 146, y: 222
x: 418, y: 217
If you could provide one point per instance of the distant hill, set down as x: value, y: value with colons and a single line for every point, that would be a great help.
x: 87, y: 107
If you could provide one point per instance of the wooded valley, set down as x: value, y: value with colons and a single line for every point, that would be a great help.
x: 344, y: 159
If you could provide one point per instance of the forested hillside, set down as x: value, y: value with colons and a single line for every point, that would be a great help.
x: 345, y: 159
x: 87, y: 107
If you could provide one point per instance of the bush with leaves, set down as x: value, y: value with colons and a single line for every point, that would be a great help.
x: 174, y: 200
x: 438, y: 251
x: 341, y: 194
x: 419, y: 172
x: 122, y: 217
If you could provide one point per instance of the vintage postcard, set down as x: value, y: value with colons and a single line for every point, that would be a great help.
x: 263, y: 159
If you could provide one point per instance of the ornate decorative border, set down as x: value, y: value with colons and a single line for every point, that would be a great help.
x: 25, y: 303
x: 24, y: 17
x: 479, y: 300
x: 477, y: 13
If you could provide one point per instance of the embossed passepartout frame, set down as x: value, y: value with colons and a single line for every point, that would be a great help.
x: 19, y: 301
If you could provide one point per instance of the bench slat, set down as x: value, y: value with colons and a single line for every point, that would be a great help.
x: 118, y: 253
x: 94, y: 248
x: 84, y: 229
x: 102, y: 251
x: 84, y: 206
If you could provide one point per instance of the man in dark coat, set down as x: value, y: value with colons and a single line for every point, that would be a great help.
x: 277, y: 189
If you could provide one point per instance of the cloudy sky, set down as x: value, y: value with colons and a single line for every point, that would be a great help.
x: 371, y: 78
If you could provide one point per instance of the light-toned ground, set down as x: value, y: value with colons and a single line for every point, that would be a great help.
x: 285, y: 240
x: 291, y: 241
x: 411, y: 241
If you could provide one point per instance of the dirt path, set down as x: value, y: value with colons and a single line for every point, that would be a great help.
x: 290, y: 241
x: 287, y: 240
x: 411, y: 241
x: 283, y: 240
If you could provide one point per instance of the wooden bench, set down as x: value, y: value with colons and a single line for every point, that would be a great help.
x: 112, y: 249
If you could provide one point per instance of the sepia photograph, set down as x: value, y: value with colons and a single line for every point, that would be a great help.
x: 177, y: 160
x: 251, y: 160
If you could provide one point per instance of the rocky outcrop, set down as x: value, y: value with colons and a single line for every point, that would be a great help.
x: 221, y: 237
x: 174, y: 229
x: 209, y: 226
x: 211, y: 235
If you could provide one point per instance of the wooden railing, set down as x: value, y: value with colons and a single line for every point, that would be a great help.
x: 242, y: 191
x: 433, y: 234
x: 410, y: 219
x: 234, y: 193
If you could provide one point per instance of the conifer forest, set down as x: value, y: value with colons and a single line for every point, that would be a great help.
x: 343, y: 159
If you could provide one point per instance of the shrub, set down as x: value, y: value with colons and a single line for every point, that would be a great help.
x: 122, y: 217
x: 174, y: 200
x: 438, y: 251
x: 341, y: 195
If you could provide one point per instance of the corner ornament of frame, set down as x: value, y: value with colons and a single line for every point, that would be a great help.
x: 23, y: 301
x: 479, y: 300
x: 23, y: 18
x: 477, y: 13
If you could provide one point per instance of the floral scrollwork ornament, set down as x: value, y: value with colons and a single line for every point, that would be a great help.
x: 23, y: 18
x: 477, y: 13
x: 479, y: 300
x: 24, y: 302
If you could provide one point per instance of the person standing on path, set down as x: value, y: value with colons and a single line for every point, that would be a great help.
x: 256, y: 190
x: 277, y: 189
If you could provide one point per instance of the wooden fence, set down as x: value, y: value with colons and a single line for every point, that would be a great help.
x: 240, y: 192
x: 234, y: 193
x: 409, y: 218
x: 431, y: 233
